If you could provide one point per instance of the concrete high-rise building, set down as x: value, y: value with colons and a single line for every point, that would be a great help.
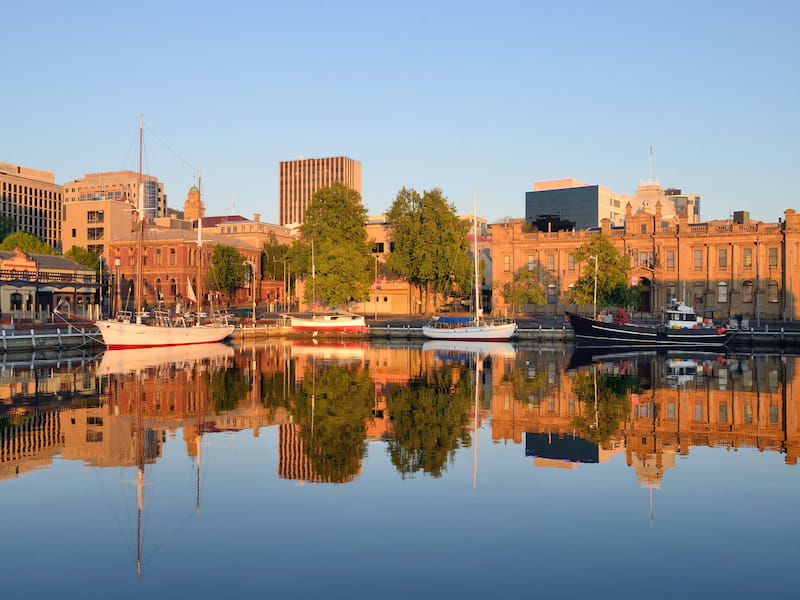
x: 299, y: 179
x: 119, y: 185
x: 33, y: 200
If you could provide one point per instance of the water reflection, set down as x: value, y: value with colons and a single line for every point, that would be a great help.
x: 329, y: 401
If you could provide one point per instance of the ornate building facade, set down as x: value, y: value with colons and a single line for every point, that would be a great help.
x: 733, y: 266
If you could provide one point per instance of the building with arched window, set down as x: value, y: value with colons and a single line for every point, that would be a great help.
x: 731, y: 266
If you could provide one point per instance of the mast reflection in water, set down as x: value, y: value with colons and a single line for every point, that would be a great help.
x: 393, y: 436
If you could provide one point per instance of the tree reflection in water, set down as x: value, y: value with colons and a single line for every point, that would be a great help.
x: 228, y: 387
x: 429, y: 418
x: 606, y: 403
x: 331, y: 406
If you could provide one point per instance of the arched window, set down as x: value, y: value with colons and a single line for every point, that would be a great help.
x: 772, y: 291
x: 747, y: 291
x: 173, y: 287
x: 552, y: 293
x: 722, y: 292
x: 159, y: 295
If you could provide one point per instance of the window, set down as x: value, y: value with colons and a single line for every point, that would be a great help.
x: 552, y: 293
x: 643, y: 229
x: 377, y: 248
x: 571, y: 262
x: 507, y: 263
x: 698, y: 259
x: 95, y: 216
x: 94, y: 233
x: 747, y: 257
x: 722, y: 292
x: 173, y: 287
x: 670, y: 259
x: 747, y: 291
x: 172, y: 256
x: 772, y: 257
x: 74, y: 233
x: 551, y: 262
x: 772, y: 291
x: 95, y: 248
x: 158, y: 256
x: 722, y: 259
x: 698, y: 292
x: 531, y: 262
x: 671, y: 296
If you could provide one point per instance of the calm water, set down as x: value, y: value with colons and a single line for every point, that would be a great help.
x: 301, y: 470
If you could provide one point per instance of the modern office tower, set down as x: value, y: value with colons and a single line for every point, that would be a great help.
x: 119, y: 185
x: 299, y: 179
x: 33, y: 200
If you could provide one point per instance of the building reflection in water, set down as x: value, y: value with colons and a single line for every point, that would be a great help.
x: 329, y: 401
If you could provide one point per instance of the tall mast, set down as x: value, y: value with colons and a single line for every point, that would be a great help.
x: 140, y: 211
x: 199, y: 244
x: 475, y: 253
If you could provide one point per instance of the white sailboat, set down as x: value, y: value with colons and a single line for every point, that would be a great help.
x: 162, y: 330
x: 476, y: 327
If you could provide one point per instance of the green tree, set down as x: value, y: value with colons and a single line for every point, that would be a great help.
x: 7, y: 226
x: 82, y: 256
x: 524, y: 288
x: 27, y: 242
x: 273, y: 256
x: 430, y: 244
x: 612, y: 274
x: 228, y: 270
x: 342, y: 263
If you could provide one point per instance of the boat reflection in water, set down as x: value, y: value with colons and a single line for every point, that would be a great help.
x: 291, y: 442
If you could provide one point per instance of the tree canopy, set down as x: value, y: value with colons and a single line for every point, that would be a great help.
x: 333, y: 228
x: 612, y: 275
x: 430, y: 245
x: 524, y: 288
x: 228, y: 270
x: 27, y: 242
x: 84, y: 257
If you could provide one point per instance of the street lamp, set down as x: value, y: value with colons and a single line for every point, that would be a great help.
x: 252, y: 289
x: 118, y: 303
x: 594, y: 256
x: 375, y: 256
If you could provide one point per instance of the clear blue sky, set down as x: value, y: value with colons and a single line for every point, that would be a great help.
x: 485, y: 96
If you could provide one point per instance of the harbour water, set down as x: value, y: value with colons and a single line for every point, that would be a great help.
x: 303, y: 469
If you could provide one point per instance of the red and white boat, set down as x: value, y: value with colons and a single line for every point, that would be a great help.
x: 328, y: 321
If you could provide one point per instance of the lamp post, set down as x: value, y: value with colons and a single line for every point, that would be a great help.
x: 252, y: 266
x: 117, y: 303
x: 594, y: 256
x: 375, y: 256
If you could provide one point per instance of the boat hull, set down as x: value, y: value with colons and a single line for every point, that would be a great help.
x: 120, y: 334
x: 329, y: 323
x: 590, y: 333
x: 481, y: 333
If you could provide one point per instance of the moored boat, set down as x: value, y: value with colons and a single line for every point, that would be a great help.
x: 327, y: 321
x: 475, y: 327
x: 681, y: 328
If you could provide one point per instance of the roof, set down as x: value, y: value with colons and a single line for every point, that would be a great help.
x: 49, y: 261
x: 214, y: 221
x: 159, y: 234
